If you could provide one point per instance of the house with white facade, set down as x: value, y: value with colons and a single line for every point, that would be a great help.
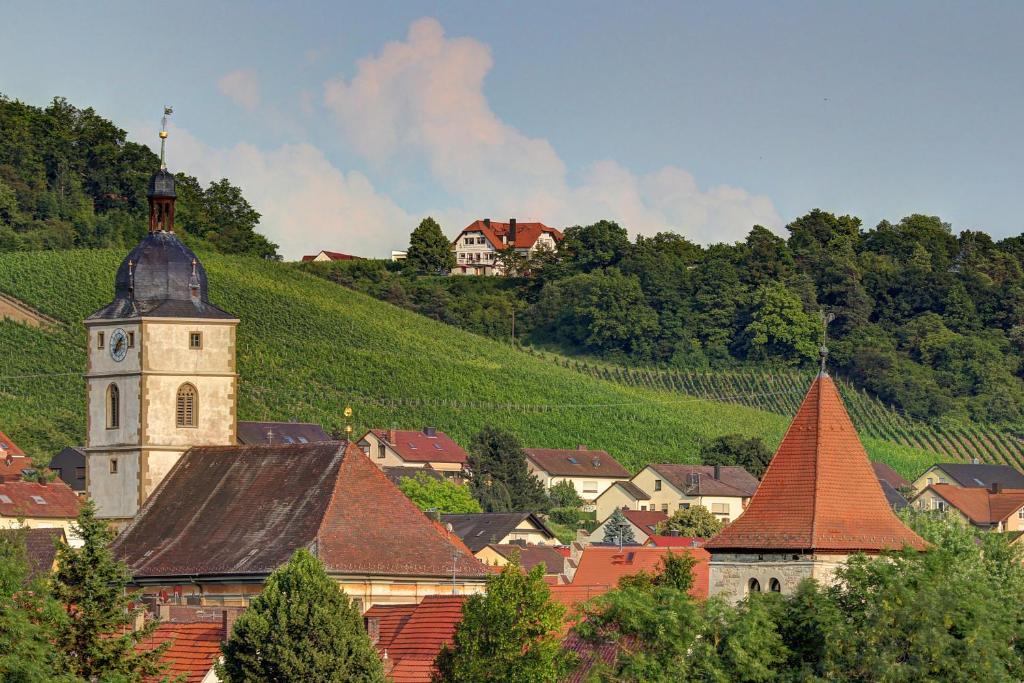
x: 478, y: 245
x: 590, y: 472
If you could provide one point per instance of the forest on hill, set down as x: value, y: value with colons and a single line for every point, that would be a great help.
x: 929, y: 322
x: 70, y: 179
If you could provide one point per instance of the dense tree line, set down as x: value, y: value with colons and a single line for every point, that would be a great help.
x: 70, y: 178
x: 929, y: 321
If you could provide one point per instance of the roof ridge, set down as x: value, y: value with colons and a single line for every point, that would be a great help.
x: 818, y: 459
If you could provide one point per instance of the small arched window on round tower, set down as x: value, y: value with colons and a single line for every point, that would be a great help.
x: 753, y: 586
x: 113, y: 407
x: 187, y: 406
x: 774, y: 586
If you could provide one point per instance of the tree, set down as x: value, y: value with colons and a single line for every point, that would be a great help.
x: 430, y: 252
x: 779, y: 327
x: 95, y: 638
x: 500, y: 478
x: 442, y: 495
x: 618, y: 530
x: 510, y: 633
x: 593, y: 247
x: 302, y: 627
x: 750, y: 453
x: 564, y: 495
x: 694, y: 521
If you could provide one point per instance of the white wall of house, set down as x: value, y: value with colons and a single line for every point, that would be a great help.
x: 639, y: 535
x: 589, y: 488
x: 667, y: 498
x: 614, y: 498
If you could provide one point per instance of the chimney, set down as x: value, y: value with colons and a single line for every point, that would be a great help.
x: 391, y: 436
x: 139, y: 620
x: 164, y: 612
x: 581, y: 447
x: 430, y: 431
x: 487, y: 223
x: 227, y: 621
x: 512, y: 230
x: 996, y: 487
x: 718, y: 471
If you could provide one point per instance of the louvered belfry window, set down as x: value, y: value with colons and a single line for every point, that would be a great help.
x: 113, y: 407
x: 186, y: 406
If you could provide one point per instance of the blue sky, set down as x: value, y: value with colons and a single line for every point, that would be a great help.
x: 346, y: 124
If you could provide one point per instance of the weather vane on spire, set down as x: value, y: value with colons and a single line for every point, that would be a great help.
x: 168, y: 110
x: 826, y: 318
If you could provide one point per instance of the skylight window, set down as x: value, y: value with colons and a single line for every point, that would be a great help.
x: 303, y: 439
x: 288, y: 439
x: 38, y: 500
x: 980, y: 482
x: 573, y: 460
x: 5, y: 499
x: 437, y: 447
x: 3, y: 446
x: 412, y: 445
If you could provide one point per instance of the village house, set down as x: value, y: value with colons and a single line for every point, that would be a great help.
x: 33, y: 505
x: 818, y: 503
x: 993, y: 509
x: 193, y: 651
x: 69, y: 466
x: 225, y: 517
x: 40, y: 547
x: 668, y: 487
x: 478, y: 245
x: 641, y: 522
x: 329, y: 256
x: 407, y: 448
x: 500, y: 554
x: 480, y: 529
x: 590, y: 472
x: 970, y: 475
x: 409, y: 637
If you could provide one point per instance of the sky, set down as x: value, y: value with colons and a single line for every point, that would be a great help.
x: 345, y: 124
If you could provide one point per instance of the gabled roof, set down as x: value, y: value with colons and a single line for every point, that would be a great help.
x: 532, y: 555
x: 981, y: 506
x: 40, y: 546
x: 255, y: 433
x: 70, y: 461
x: 645, y: 520
x: 480, y: 529
x: 578, y: 462
x: 526, y: 233
x: 8, y: 447
x: 399, y: 472
x: 892, y: 496
x: 980, y: 475
x: 54, y: 500
x: 603, y: 566
x: 244, y: 510
x: 431, y: 625
x: 332, y: 255
x: 422, y: 446
x: 699, y: 480
x: 630, y: 489
x: 194, y: 648
x: 675, y: 541
x: 819, y: 492
x: 11, y: 466
x: 390, y: 620
x: 886, y: 473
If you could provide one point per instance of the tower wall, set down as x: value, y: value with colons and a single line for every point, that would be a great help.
x: 730, y: 573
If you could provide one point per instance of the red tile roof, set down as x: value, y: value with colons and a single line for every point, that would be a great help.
x: 390, y: 620
x: 11, y: 466
x: 333, y: 255
x: 532, y: 555
x: 54, y: 500
x: 885, y: 472
x: 246, y: 509
x: 40, y: 546
x: 646, y: 520
x: 194, y: 648
x: 981, y: 506
x: 819, y: 492
x: 577, y: 463
x: 431, y: 625
x: 675, y: 541
x: 601, y: 566
x: 526, y: 233
x: 8, y: 447
x: 700, y: 480
x: 418, y: 446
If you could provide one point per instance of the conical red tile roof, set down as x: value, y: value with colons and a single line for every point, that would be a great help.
x: 819, y: 492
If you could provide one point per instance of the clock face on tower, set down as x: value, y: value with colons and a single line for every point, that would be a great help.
x: 118, y: 345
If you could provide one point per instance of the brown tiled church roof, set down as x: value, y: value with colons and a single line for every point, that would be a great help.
x: 819, y: 492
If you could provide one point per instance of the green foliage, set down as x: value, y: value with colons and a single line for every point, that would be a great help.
x: 69, y: 178
x: 696, y: 521
x: 442, y: 495
x: 618, y: 530
x: 95, y: 638
x: 779, y: 327
x: 430, y: 252
x: 510, y: 633
x: 302, y: 627
x: 500, y: 478
x: 564, y: 495
x: 735, y: 449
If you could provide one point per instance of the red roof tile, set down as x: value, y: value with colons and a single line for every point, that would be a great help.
x: 981, y: 506
x: 11, y: 466
x: 54, y: 500
x: 526, y: 233
x: 418, y: 446
x: 333, y: 255
x: 8, y: 447
x: 601, y: 566
x: 576, y: 463
x: 645, y: 519
x: 675, y: 541
x: 819, y: 492
x: 699, y: 480
x: 193, y: 651
x: 390, y: 620
x: 532, y: 555
x: 431, y: 625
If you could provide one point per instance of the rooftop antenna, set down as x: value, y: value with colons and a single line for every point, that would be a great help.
x: 168, y: 110
x: 826, y: 319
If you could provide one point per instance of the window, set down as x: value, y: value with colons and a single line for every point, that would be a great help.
x: 303, y: 439
x: 657, y: 484
x: 113, y: 465
x: 288, y: 439
x: 942, y: 480
x: 131, y: 340
x: 720, y: 508
x: 99, y: 340
x: 113, y: 407
x: 941, y: 505
x: 1020, y: 513
x: 38, y: 500
x: 380, y: 451
x: 664, y: 507
x: 195, y: 340
x: 186, y: 406
x: 80, y: 473
x: 5, y: 499
x: 643, y: 508
x: 774, y: 586
x: 684, y: 506
x: 753, y: 586
x: 930, y: 481
x: 590, y: 487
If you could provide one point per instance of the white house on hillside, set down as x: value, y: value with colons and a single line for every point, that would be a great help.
x: 478, y: 245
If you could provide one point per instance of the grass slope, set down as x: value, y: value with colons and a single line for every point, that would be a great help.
x: 307, y: 348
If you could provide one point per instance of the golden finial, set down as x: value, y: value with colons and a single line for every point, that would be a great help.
x: 168, y: 110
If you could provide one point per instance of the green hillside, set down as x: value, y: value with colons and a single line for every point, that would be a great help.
x: 307, y: 348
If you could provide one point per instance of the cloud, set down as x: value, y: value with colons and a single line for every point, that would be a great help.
x: 242, y: 87
x: 307, y: 204
x: 422, y: 100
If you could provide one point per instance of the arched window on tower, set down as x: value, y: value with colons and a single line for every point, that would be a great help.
x: 113, y: 407
x: 187, y: 406
x: 753, y: 586
x: 774, y: 586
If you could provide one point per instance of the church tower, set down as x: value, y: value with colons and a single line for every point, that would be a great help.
x: 161, y: 366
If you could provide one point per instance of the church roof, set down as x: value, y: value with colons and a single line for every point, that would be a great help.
x: 160, y: 278
x: 819, y: 493
x: 244, y: 510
